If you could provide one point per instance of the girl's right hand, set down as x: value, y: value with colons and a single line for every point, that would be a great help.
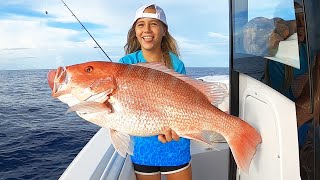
x: 168, y: 136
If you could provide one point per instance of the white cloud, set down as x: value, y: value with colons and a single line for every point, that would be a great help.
x: 194, y: 47
x: 218, y: 36
x: 50, y: 47
x: 18, y: 33
x: 195, y: 53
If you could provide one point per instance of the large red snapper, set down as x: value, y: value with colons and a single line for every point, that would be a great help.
x: 148, y: 98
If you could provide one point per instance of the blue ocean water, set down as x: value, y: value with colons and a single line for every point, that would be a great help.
x: 37, y: 139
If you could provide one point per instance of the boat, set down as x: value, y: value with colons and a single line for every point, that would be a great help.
x: 263, y: 37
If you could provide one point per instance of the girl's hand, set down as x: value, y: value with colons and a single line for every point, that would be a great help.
x: 168, y: 136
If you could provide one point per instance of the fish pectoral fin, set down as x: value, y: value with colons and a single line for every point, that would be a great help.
x: 201, y: 137
x: 90, y: 107
x: 121, y: 142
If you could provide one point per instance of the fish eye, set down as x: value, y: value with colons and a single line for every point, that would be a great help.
x: 88, y: 69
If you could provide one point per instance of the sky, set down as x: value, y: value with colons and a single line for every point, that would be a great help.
x: 43, y: 34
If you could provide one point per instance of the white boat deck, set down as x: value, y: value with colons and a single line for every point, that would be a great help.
x: 98, y: 160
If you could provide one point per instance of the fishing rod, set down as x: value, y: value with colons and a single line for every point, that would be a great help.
x: 87, y: 31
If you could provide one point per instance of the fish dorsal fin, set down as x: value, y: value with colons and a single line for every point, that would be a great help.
x: 121, y: 142
x: 214, y: 91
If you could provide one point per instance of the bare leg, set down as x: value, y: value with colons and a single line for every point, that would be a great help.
x: 148, y: 177
x: 185, y: 175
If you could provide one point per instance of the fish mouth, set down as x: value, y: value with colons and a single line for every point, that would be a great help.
x: 56, y: 80
x: 50, y: 77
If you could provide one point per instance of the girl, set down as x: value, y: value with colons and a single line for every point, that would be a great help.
x: 149, y: 41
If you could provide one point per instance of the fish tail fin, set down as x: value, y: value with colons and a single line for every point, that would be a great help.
x: 243, y: 145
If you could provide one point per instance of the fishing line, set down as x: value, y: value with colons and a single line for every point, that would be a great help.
x: 86, y: 31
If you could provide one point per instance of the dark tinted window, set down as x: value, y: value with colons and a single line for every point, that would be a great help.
x: 277, y: 43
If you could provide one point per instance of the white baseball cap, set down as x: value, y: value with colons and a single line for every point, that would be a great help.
x: 158, y: 15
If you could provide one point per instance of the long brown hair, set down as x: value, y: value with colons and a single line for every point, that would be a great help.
x: 168, y: 43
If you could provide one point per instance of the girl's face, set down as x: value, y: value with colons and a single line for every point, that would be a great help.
x: 149, y: 33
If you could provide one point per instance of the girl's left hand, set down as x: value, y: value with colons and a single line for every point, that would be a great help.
x: 168, y: 136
